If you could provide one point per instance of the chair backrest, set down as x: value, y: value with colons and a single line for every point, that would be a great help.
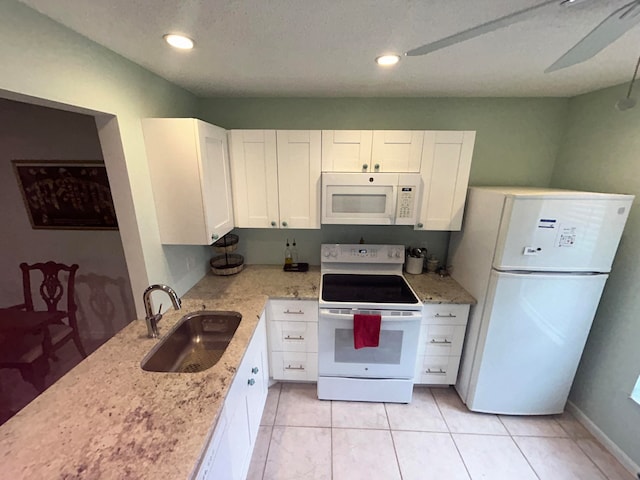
x: 52, y: 289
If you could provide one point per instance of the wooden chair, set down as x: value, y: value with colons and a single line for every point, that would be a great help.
x: 27, y: 352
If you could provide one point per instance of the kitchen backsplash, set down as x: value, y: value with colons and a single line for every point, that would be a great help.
x: 264, y: 246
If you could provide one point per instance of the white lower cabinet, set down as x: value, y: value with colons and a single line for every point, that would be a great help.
x: 440, y: 347
x: 293, y: 339
x: 229, y: 451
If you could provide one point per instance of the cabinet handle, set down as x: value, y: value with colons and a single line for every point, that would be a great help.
x: 376, y: 167
x: 254, y: 370
x: 273, y: 224
x: 437, y: 372
x: 284, y: 224
x: 299, y: 312
x: 214, y: 237
x: 420, y: 225
x: 364, y: 166
x: 448, y: 315
x: 251, y: 382
x: 445, y: 341
x: 289, y: 337
x: 289, y: 367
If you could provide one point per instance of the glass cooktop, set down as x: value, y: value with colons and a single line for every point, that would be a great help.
x: 339, y: 287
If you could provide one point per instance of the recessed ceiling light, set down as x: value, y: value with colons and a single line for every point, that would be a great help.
x: 387, y: 60
x: 178, y: 41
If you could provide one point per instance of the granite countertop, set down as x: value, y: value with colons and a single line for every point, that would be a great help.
x: 109, y: 419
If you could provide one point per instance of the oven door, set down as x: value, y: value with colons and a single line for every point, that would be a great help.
x: 395, y: 357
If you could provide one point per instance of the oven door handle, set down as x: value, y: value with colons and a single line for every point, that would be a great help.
x: 387, y: 316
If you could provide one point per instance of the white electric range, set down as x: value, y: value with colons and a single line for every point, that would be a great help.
x: 366, y: 279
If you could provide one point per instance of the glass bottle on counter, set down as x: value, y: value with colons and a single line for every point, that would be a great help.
x: 288, y: 260
x: 294, y: 252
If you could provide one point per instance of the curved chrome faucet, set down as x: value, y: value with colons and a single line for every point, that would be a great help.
x: 151, y: 318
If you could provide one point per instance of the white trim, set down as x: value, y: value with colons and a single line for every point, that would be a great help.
x: 613, y: 449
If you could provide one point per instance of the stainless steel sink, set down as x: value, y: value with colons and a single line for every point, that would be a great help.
x: 194, y: 344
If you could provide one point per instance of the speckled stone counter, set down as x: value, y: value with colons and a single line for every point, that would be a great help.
x: 432, y: 288
x: 109, y: 419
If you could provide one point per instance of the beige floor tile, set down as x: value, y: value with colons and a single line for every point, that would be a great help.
x: 604, y: 460
x: 359, y: 415
x: 572, y: 426
x: 493, y: 457
x: 363, y: 455
x: 428, y: 456
x: 270, y: 408
x: 260, y: 450
x: 533, y: 426
x: 299, y: 406
x: 422, y: 414
x: 558, y: 459
x: 460, y: 420
x: 299, y: 453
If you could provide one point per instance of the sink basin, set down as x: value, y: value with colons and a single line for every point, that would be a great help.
x: 194, y: 344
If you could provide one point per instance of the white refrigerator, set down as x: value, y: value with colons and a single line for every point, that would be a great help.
x: 537, y: 261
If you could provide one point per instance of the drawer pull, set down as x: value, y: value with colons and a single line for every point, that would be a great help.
x: 254, y: 370
x: 448, y: 315
x: 251, y: 382
x: 299, y: 312
x: 289, y: 337
x: 289, y: 367
x: 437, y: 372
x: 441, y: 342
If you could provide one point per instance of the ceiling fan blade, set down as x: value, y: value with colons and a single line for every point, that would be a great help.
x: 607, y: 32
x: 477, y: 31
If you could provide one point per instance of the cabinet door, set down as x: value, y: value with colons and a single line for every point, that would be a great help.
x: 346, y: 150
x: 397, y: 151
x: 256, y: 372
x: 299, y: 178
x: 181, y: 179
x: 254, y: 176
x: 216, y: 180
x: 446, y: 162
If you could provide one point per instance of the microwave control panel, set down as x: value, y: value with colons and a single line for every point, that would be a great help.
x: 406, y: 205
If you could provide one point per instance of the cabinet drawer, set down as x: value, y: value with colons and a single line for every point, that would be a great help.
x: 445, y: 314
x: 293, y: 310
x: 294, y: 366
x: 293, y: 336
x: 438, y: 370
x: 443, y: 339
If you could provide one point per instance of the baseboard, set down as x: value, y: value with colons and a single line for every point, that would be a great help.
x: 613, y: 449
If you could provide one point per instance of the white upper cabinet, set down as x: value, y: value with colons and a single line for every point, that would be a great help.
x: 276, y: 178
x: 372, y: 151
x: 189, y: 167
x: 346, y: 150
x: 396, y: 151
x: 299, y: 178
x: 254, y: 173
x: 446, y: 163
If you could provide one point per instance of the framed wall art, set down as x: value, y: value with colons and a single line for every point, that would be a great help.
x: 66, y: 194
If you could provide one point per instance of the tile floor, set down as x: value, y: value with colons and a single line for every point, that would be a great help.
x: 434, y: 437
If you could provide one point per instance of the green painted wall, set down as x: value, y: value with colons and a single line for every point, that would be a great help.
x: 516, y: 144
x: 601, y: 152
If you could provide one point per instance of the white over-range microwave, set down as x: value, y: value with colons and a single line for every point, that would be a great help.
x: 371, y: 198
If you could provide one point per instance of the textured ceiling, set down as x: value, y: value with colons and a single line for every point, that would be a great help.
x: 327, y: 47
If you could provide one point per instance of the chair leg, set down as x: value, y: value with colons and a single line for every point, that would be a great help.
x: 76, y: 340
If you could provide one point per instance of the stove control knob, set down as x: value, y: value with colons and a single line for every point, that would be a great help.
x: 397, y: 254
x: 390, y: 253
x: 334, y: 252
x: 326, y: 251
